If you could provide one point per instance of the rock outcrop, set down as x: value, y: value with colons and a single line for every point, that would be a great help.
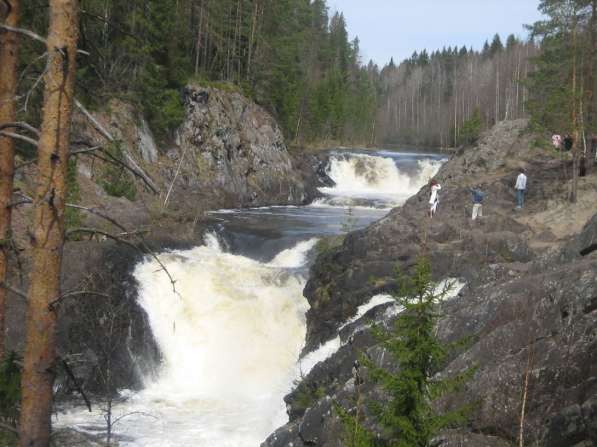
x: 234, y: 146
x: 529, y: 301
x: 228, y: 153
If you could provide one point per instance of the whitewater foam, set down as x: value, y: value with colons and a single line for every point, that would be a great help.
x: 230, y: 339
x: 375, y: 178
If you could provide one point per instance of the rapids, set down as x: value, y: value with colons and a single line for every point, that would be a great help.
x: 231, y: 335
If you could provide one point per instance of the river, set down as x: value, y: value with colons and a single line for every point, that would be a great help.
x: 231, y: 336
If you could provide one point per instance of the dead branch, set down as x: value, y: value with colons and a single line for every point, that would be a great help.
x: 25, y: 32
x: 33, y: 36
x: 78, y: 387
x: 143, y: 249
x: 13, y: 290
x: 175, y: 177
x: 141, y: 413
x: 64, y: 296
x: 71, y: 153
x: 32, y: 89
x: 525, y: 390
x: 115, y: 161
x: 107, y: 135
x: 19, y: 203
x: 118, y: 238
x: 86, y: 151
x: 17, y: 136
x: 99, y: 214
x: 20, y: 125
x: 9, y: 428
x: 94, y: 231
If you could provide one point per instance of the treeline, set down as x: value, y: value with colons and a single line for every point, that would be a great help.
x: 289, y: 55
x: 445, y: 98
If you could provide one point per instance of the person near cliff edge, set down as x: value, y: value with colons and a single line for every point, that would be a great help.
x: 434, y: 199
x: 568, y: 143
x: 556, y: 140
x: 478, y: 197
x: 521, y: 188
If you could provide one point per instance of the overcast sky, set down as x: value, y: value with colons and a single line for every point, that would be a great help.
x: 396, y: 28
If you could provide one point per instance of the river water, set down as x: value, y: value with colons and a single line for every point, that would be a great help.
x: 231, y: 338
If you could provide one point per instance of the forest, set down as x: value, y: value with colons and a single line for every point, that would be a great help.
x: 297, y: 61
x: 444, y: 98
x: 288, y: 55
x: 447, y: 97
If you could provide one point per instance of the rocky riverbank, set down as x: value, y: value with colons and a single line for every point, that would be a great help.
x: 529, y: 301
x: 228, y: 153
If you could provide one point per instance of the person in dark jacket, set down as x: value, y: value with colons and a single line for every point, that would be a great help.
x: 568, y: 143
x: 478, y: 197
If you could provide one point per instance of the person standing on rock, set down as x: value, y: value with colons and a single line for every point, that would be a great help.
x: 434, y: 199
x: 478, y: 197
x: 556, y: 140
x: 568, y: 143
x: 521, y: 188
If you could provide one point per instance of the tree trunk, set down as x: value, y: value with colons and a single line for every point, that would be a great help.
x: 199, y: 34
x: 47, y: 232
x: 590, y: 64
x: 8, y: 90
x: 573, y: 194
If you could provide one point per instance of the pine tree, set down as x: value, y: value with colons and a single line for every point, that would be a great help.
x: 47, y: 232
x: 8, y: 112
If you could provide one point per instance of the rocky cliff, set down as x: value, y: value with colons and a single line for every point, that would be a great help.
x: 228, y: 152
x: 529, y: 303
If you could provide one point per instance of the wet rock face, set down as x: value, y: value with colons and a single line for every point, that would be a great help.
x: 235, y: 147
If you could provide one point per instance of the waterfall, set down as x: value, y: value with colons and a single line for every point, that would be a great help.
x: 379, y: 181
x: 230, y: 338
x: 231, y: 333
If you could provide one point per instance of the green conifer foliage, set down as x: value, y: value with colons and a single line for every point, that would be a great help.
x: 408, y: 417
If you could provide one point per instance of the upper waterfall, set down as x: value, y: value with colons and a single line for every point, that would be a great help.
x: 377, y: 180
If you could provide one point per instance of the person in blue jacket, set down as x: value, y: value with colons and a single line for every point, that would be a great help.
x: 478, y: 197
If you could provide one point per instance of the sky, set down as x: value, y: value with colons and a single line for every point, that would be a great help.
x: 396, y: 28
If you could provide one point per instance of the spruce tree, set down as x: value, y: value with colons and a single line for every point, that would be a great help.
x: 408, y: 417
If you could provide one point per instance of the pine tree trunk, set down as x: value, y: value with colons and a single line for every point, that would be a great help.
x: 47, y: 232
x: 8, y: 90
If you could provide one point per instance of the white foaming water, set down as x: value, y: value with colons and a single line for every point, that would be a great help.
x: 451, y: 287
x: 324, y: 352
x: 294, y: 257
x: 230, y: 340
x: 375, y: 178
x: 377, y: 300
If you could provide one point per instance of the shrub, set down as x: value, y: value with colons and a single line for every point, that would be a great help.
x: 115, y: 180
x: 471, y: 129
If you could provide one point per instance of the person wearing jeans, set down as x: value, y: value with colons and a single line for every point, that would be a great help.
x: 521, y: 188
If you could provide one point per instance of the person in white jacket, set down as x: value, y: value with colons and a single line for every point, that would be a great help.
x: 434, y: 199
x: 521, y: 188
